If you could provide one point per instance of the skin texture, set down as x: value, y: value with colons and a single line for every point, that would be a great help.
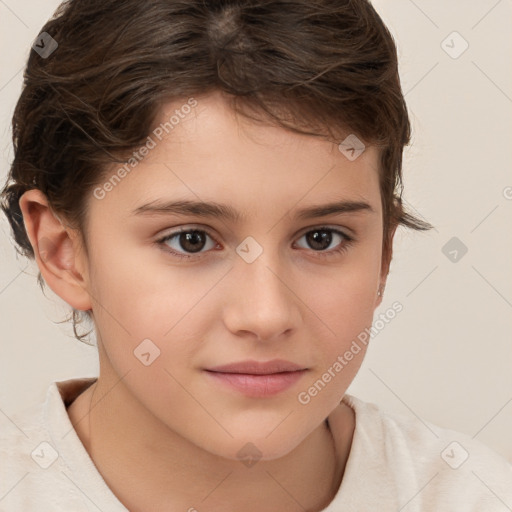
x: 166, y: 436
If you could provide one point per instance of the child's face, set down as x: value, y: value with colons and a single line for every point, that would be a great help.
x: 294, y: 302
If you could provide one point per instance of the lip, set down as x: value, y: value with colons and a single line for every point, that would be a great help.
x: 258, y: 379
x: 258, y: 368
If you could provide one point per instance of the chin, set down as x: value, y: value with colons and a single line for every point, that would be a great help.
x: 248, y: 448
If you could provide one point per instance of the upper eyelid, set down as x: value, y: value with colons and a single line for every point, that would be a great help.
x: 344, y: 231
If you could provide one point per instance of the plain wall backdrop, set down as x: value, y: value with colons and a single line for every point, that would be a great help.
x: 447, y: 357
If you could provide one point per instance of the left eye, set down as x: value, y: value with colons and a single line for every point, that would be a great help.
x: 321, y: 238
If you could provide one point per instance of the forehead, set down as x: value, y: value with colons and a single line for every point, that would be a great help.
x: 208, y: 152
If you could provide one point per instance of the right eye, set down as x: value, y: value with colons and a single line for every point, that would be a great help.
x: 192, y: 240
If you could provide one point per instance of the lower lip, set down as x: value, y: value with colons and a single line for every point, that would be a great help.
x: 258, y: 386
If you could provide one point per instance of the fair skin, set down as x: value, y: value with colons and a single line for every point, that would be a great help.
x: 166, y: 436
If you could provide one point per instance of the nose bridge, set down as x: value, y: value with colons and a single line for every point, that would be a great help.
x: 262, y: 302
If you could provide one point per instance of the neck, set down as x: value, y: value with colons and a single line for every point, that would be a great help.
x: 161, y: 470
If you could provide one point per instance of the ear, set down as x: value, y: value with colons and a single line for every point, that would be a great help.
x: 57, y: 250
x: 386, y: 262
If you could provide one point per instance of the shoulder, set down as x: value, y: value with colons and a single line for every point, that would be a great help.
x: 32, y: 472
x: 437, y: 468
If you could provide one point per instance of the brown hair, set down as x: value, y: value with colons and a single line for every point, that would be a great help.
x: 328, y: 66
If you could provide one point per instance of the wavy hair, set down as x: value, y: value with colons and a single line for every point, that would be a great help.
x: 316, y: 67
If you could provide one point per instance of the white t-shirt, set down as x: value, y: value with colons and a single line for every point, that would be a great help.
x: 396, y: 463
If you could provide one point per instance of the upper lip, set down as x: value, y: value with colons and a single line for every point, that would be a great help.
x: 258, y: 368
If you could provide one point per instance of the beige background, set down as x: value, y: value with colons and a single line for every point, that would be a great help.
x: 447, y: 357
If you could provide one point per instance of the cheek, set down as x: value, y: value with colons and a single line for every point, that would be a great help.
x: 158, y: 302
x: 343, y: 303
x: 344, y: 297
x: 135, y: 285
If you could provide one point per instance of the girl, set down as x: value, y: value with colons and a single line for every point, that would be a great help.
x: 216, y: 186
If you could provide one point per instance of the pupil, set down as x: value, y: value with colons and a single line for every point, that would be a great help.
x: 317, y: 239
x: 190, y: 241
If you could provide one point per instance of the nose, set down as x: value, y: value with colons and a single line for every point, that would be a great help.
x: 261, y: 301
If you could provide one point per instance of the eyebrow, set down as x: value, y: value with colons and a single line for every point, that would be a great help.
x: 223, y: 211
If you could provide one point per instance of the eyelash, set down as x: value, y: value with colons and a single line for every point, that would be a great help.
x: 343, y: 247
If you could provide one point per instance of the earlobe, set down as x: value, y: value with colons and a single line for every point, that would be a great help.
x: 56, y: 250
x: 379, y: 294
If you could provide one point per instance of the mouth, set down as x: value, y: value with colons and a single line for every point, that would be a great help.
x: 258, y: 379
